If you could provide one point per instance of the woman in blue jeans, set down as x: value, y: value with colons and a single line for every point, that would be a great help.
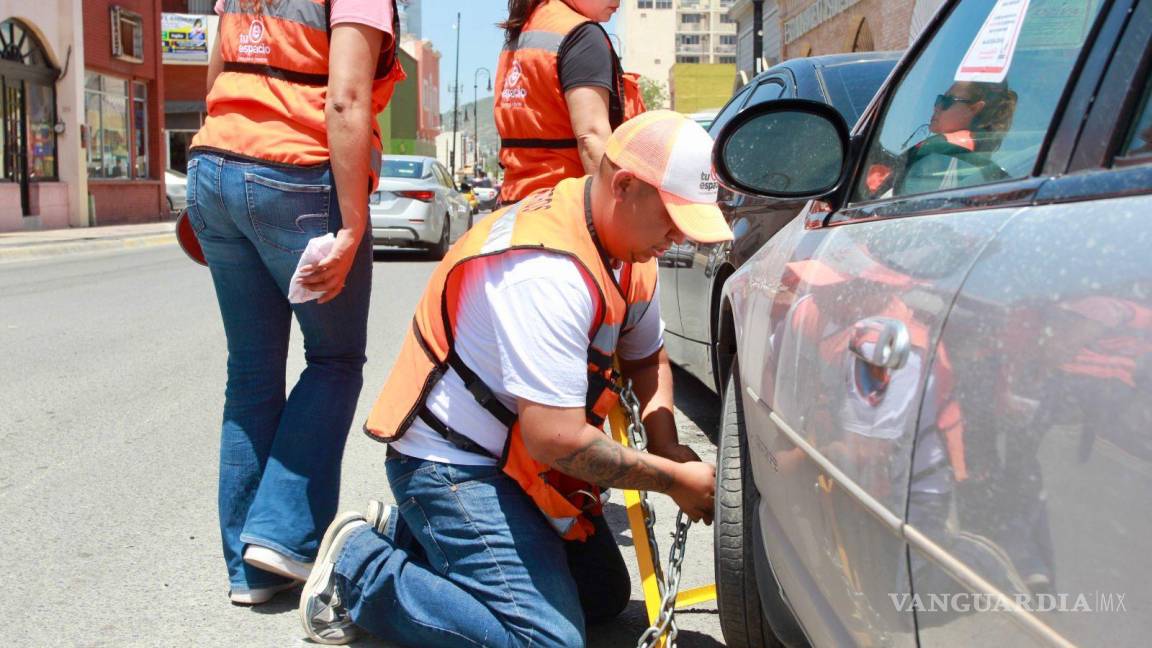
x: 289, y: 152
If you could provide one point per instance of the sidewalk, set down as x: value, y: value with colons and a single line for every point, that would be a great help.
x: 38, y: 244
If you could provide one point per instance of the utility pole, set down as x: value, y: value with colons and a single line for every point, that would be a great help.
x: 476, y: 110
x: 456, y: 99
x: 757, y: 35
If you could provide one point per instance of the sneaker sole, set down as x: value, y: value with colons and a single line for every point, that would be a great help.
x: 320, y: 570
x: 260, y: 595
x: 276, y: 568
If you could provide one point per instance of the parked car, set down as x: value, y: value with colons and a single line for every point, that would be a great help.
x: 691, y: 275
x: 469, y: 193
x: 486, y: 195
x: 705, y: 117
x: 936, y: 426
x: 416, y: 204
x: 176, y: 187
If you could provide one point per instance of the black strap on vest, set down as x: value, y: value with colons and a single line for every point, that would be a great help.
x: 290, y: 76
x: 537, y: 142
x: 481, y: 391
x: 457, y: 439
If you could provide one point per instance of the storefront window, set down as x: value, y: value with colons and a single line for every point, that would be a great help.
x: 140, y: 127
x: 41, y: 110
x: 27, y: 107
x: 106, y: 113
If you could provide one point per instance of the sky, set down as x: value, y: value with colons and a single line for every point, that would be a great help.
x: 480, y: 42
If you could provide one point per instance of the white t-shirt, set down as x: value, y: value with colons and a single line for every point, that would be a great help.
x: 522, y: 326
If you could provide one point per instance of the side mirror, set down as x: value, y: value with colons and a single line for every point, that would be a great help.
x: 788, y: 148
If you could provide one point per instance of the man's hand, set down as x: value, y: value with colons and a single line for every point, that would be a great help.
x: 695, y: 490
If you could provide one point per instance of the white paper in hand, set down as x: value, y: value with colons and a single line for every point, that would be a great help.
x: 318, y: 249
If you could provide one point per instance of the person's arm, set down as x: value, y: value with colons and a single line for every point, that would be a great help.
x: 353, y: 53
x: 215, y: 63
x: 588, y: 107
x: 652, y: 382
x: 563, y: 439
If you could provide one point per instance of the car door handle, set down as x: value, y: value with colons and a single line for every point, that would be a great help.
x: 881, y: 342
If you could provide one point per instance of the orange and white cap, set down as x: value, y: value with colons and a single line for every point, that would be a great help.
x: 674, y: 154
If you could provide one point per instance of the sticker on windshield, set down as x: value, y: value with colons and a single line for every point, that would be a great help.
x: 990, y: 54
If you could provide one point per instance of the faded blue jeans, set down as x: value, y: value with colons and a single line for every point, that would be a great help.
x: 470, y: 561
x: 279, y: 456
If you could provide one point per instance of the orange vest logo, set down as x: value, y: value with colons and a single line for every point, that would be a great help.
x: 251, y: 49
x: 511, y: 93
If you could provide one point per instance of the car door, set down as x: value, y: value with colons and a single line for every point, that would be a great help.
x: 840, y: 316
x: 678, y: 257
x: 1051, y: 376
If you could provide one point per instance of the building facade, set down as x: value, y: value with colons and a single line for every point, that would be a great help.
x: 427, y: 82
x: 657, y: 34
x: 42, y: 169
x: 815, y: 27
x: 188, y: 34
x: 123, y: 147
x: 743, y: 13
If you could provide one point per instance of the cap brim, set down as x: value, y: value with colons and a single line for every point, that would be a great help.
x: 700, y: 222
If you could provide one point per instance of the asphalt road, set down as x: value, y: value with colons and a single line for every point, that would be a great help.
x: 113, y: 377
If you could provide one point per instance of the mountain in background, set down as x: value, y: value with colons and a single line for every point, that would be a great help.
x: 489, y: 140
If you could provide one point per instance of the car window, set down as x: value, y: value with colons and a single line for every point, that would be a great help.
x: 402, y: 169
x: 1139, y: 142
x: 767, y: 91
x: 976, y: 105
x: 729, y: 111
x: 442, y: 176
x: 852, y: 85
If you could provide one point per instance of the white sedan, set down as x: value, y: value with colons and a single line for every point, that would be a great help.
x: 416, y: 204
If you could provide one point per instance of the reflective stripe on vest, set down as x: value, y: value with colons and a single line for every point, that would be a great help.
x: 552, y: 221
x: 268, y: 103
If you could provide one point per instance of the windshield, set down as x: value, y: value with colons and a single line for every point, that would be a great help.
x: 402, y: 169
x: 852, y: 85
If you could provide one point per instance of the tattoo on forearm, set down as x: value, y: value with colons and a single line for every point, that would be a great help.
x: 607, y: 463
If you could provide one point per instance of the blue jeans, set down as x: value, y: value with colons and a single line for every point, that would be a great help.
x: 279, y: 456
x: 471, y: 561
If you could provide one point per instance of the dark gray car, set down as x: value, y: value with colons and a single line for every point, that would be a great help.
x: 938, y: 424
x: 691, y: 275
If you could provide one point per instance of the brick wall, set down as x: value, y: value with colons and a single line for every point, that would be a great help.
x: 888, y: 20
x: 130, y: 200
x: 185, y: 82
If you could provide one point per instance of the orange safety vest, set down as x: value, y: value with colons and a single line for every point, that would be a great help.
x: 268, y: 102
x: 554, y: 220
x: 537, y: 145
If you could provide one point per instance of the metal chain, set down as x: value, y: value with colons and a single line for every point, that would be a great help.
x: 669, y: 587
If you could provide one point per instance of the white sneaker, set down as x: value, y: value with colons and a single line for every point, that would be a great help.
x: 258, y: 595
x: 322, y: 612
x: 277, y: 563
x: 378, y: 516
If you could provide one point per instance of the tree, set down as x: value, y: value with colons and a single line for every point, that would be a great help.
x: 653, y: 92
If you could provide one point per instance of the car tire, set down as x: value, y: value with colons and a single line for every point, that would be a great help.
x: 440, y: 248
x: 741, y: 615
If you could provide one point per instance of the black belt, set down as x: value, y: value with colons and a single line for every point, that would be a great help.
x: 538, y: 143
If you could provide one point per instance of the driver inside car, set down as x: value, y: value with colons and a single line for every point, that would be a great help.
x: 968, y: 124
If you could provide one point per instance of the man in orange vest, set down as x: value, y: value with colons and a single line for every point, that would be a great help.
x: 494, y: 410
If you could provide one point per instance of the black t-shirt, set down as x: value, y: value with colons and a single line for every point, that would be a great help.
x: 586, y: 60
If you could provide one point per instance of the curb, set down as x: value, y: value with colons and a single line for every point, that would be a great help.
x: 47, y: 250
